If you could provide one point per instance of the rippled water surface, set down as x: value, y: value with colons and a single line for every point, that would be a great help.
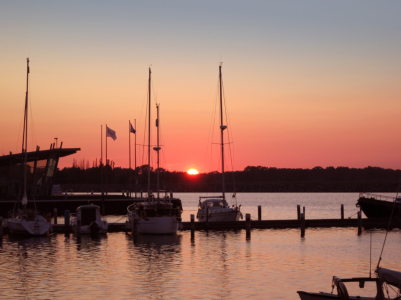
x: 272, y: 264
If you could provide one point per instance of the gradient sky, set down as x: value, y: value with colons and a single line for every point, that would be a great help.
x: 307, y: 83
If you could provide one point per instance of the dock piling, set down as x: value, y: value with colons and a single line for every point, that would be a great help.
x: 248, y: 225
x: 79, y: 227
x: 1, y: 227
x: 135, y: 227
x: 359, y: 222
x: 192, y: 226
x: 303, y: 210
x: 302, y: 218
x: 342, y: 211
x: 55, y: 215
x: 298, y: 211
x: 259, y: 213
x: 66, y: 218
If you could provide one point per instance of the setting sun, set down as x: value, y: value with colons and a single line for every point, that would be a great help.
x: 192, y: 172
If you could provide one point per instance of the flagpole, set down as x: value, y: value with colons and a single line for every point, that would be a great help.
x: 107, y: 163
x: 136, y: 177
x: 129, y: 139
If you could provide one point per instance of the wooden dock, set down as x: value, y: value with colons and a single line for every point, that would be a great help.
x: 254, y: 224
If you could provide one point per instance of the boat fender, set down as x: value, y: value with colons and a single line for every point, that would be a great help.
x: 143, y: 214
x: 342, y: 291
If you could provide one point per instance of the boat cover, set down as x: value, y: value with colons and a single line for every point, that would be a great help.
x: 390, y: 277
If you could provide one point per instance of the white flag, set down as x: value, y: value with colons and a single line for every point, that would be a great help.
x: 111, y: 133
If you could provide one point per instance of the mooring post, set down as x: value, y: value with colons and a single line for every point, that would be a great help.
x: 141, y: 194
x: 135, y: 226
x: 171, y: 195
x: 66, y: 218
x: 55, y: 215
x: 259, y: 213
x: 79, y: 227
x: 303, y: 210
x: 207, y: 214
x: 1, y: 227
x: 302, y: 218
x: 103, y: 203
x: 359, y: 222
x: 342, y: 211
x: 248, y: 225
x: 298, y: 211
x: 1, y: 231
x: 192, y: 226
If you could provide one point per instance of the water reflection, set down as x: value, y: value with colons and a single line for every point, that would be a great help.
x: 159, y: 259
x: 89, y: 242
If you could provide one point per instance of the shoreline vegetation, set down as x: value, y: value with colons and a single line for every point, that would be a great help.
x: 253, y: 179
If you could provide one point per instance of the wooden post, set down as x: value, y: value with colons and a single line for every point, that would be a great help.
x: 192, y: 226
x: 359, y: 222
x: 171, y: 195
x: 141, y: 194
x: 55, y: 215
x: 248, y: 225
x: 1, y: 227
x: 79, y: 227
x: 342, y: 211
x: 66, y: 218
x: 259, y: 213
x: 302, y: 218
x: 303, y: 210
x: 103, y: 203
x: 135, y: 226
x: 298, y: 211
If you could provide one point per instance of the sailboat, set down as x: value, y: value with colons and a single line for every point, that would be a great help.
x: 26, y: 221
x: 157, y: 215
x: 216, y: 208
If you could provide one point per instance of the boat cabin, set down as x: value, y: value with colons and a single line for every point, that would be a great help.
x: 212, y: 202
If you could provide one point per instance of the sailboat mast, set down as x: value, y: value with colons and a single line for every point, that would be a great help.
x: 222, y: 127
x: 157, y: 149
x: 25, y: 134
x: 149, y: 140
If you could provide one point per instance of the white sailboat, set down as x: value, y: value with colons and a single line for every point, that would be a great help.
x: 216, y: 208
x: 26, y: 221
x: 156, y: 215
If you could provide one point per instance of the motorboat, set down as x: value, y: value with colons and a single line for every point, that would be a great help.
x: 91, y: 222
x: 384, y: 277
x: 379, y: 206
x: 216, y: 208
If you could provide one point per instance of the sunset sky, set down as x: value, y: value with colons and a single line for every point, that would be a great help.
x: 307, y: 83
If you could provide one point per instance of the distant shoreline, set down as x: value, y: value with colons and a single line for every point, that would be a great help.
x: 296, y: 187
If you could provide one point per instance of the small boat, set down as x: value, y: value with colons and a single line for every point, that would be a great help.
x: 26, y: 221
x: 156, y: 215
x: 384, y: 276
x: 91, y: 220
x: 379, y: 206
x: 216, y: 208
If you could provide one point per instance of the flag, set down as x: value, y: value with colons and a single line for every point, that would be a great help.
x: 111, y: 133
x: 132, y: 129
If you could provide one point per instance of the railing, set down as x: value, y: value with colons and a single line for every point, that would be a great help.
x: 377, y: 197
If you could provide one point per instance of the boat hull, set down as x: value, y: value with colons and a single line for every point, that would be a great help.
x: 88, y: 229
x: 28, y: 228
x: 375, y: 208
x: 158, y: 225
x: 327, y: 296
x: 229, y: 216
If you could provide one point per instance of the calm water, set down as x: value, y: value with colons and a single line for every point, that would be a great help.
x: 273, y: 264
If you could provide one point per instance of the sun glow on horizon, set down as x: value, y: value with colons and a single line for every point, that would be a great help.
x: 192, y: 172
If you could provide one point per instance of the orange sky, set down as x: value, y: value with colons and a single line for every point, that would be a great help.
x: 316, y: 87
